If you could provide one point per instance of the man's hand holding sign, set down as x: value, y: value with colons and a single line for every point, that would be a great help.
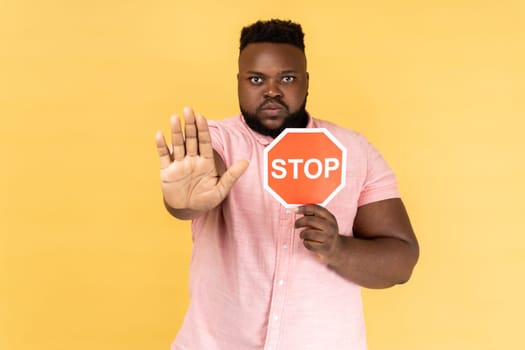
x: 303, y: 168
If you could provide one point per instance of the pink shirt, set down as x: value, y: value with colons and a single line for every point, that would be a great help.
x: 253, y: 284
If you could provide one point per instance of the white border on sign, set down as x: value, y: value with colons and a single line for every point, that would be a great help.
x: 303, y: 131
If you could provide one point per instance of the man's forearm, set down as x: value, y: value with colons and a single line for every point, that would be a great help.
x: 375, y: 263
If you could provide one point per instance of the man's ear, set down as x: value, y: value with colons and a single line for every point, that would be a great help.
x: 307, y: 80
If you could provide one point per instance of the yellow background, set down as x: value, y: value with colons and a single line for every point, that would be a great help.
x: 89, y: 259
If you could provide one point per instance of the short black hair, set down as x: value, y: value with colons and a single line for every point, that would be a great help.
x: 273, y: 31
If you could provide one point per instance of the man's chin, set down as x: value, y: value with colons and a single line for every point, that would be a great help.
x: 272, y: 123
x: 273, y: 126
x: 267, y: 129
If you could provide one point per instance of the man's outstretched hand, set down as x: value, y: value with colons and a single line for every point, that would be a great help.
x: 189, y: 177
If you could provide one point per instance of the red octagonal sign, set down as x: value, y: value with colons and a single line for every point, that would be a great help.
x: 304, y: 166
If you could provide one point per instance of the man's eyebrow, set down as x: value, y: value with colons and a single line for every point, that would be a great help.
x: 284, y: 72
x: 254, y: 72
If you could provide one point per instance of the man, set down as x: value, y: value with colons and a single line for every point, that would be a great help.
x: 262, y: 276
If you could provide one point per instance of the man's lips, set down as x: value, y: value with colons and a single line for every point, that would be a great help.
x: 272, y: 106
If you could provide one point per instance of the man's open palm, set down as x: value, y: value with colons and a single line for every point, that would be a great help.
x: 188, y: 174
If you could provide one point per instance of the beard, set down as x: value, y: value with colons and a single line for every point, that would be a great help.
x: 298, y: 119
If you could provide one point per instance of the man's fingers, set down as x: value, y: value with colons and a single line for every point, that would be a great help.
x: 316, y: 217
x: 177, y: 139
x: 190, y: 132
x: 316, y: 248
x: 230, y: 176
x: 313, y: 236
x: 313, y: 246
x: 162, y: 148
x: 311, y: 221
x: 204, y: 137
x: 315, y: 210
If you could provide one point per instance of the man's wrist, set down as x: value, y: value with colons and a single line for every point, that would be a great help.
x: 338, y: 256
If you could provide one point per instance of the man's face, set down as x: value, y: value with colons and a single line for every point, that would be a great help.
x: 272, y: 87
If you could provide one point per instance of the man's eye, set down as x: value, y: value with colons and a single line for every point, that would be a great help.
x: 256, y: 80
x: 288, y: 79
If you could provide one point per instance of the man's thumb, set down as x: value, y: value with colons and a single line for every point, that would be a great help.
x: 231, y: 175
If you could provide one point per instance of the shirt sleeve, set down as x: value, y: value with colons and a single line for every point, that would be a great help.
x: 216, y: 137
x: 218, y: 140
x: 380, y: 182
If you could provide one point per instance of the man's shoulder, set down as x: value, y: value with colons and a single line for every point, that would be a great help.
x: 232, y: 124
x: 338, y: 131
x: 230, y: 132
x: 231, y: 121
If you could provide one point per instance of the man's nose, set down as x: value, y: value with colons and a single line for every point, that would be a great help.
x: 272, y: 89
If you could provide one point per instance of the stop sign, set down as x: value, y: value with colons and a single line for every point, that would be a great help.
x: 304, y: 166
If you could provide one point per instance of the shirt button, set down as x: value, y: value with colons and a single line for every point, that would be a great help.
x: 276, y: 318
x: 285, y: 246
x: 281, y: 282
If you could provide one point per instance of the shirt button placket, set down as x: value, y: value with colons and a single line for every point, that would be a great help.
x: 279, y: 287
